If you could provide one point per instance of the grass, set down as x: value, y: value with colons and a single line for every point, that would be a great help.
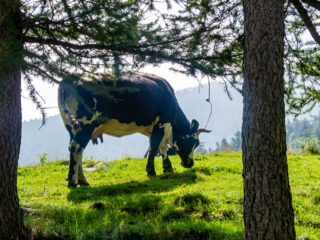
x: 204, y: 202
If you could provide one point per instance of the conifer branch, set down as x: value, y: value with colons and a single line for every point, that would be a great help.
x: 313, y: 3
x: 307, y: 20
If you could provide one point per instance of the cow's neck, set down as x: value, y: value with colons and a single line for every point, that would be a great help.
x: 180, y: 125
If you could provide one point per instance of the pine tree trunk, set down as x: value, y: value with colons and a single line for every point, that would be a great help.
x: 11, y: 219
x: 268, y: 212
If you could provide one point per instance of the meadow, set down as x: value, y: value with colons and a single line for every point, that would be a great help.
x: 204, y: 202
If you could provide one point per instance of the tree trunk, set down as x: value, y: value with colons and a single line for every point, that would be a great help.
x: 268, y: 212
x: 11, y: 219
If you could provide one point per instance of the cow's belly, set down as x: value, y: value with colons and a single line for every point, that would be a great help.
x: 117, y: 129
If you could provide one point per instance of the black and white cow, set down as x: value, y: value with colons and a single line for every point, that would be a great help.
x: 134, y: 103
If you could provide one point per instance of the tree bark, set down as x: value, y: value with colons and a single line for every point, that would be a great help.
x: 11, y: 219
x: 268, y: 212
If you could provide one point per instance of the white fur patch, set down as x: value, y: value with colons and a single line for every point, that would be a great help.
x: 166, y: 140
x: 95, y: 103
x: 77, y: 156
x: 75, y: 145
x: 176, y: 145
x: 86, y: 121
x: 190, y: 156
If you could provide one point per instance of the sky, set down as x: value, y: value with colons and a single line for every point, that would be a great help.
x: 49, y: 92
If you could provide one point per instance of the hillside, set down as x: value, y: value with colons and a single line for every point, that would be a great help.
x: 204, y: 202
x: 54, y: 139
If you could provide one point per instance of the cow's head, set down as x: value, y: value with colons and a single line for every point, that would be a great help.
x: 187, y: 142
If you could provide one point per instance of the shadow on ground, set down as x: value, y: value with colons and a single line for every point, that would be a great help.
x: 130, y: 211
x: 158, y: 184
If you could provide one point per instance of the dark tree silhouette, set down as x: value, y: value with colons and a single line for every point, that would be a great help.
x: 268, y: 212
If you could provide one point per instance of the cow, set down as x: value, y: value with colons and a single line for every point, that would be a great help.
x: 135, y: 102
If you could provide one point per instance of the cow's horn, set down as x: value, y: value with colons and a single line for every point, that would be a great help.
x: 200, y: 130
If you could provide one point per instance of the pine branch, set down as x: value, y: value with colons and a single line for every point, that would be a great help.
x: 34, y: 95
x: 45, y: 74
x: 51, y: 41
x: 307, y: 20
x: 313, y: 3
x: 130, y: 50
x: 69, y: 12
x: 58, y: 29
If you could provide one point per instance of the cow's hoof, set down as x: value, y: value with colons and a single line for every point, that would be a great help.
x: 72, y: 185
x: 168, y: 170
x: 83, y: 183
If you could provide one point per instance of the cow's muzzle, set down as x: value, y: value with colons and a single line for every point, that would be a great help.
x: 188, y: 163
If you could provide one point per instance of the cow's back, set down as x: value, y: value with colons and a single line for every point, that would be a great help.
x: 136, y: 99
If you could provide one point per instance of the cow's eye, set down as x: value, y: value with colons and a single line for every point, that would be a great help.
x: 195, y: 135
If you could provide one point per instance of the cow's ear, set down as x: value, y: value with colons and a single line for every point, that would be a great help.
x: 194, y: 126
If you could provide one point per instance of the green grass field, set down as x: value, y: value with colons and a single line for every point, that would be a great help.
x: 204, y: 202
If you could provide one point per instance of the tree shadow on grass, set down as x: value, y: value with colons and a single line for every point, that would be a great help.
x: 62, y: 222
x: 130, y: 206
x: 158, y: 184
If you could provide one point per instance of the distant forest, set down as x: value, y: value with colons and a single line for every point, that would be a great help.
x: 303, y: 136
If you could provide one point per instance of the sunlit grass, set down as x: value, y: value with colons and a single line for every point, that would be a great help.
x: 204, y: 202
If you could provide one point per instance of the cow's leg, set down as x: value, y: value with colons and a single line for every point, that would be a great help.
x: 150, y: 164
x: 75, y: 157
x: 82, y: 180
x: 167, y: 167
x: 163, y: 148
x: 76, y: 147
x: 146, y: 154
x: 155, y: 139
